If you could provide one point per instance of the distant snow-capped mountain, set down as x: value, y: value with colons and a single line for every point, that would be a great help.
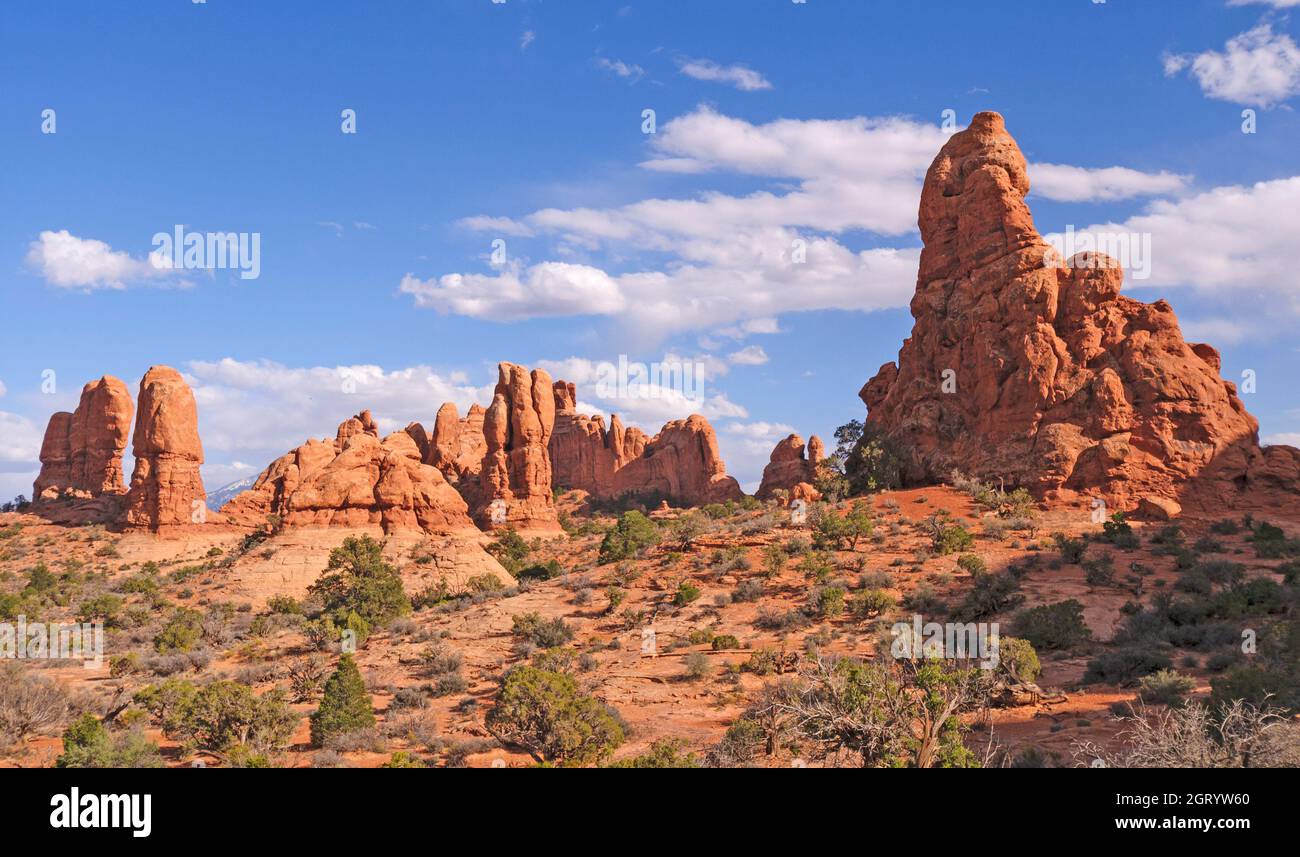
x: 219, y: 498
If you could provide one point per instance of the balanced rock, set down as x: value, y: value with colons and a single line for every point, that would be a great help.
x: 1029, y: 370
x: 166, y: 488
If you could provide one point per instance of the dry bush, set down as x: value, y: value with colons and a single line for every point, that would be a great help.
x: 28, y: 703
x: 1239, y: 735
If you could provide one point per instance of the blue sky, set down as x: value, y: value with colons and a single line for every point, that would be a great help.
x: 523, y: 121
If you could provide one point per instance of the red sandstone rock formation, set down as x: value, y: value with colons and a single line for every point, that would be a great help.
x: 1024, y: 368
x: 457, y: 446
x: 166, y: 488
x: 81, y: 454
x: 354, y: 482
x: 682, y: 462
x: 791, y: 470
x: 515, y: 477
x: 583, y: 454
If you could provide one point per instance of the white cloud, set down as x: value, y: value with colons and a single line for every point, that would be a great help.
x: 750, y: 355
x: 262, y: 407
x: 1258, y: 67
x: 1066, y: 183
x: 741, y: 77
x: 628, y: 71
x: 646, y: 405
x: 747, y: 448
x: 3, y: 389
x: 734, y: 260
x: 1276, y: 4
x: 20, y: 447
x: 1236, y: 243
x: 1286, y: 438
x: 527, y: 39
x: 69, y: 262
x: 547, y: 289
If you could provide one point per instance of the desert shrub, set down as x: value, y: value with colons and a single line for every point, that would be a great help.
x: 182, y: 632
x: 1052, y: 626
x: 1165, y: 687
x: 924, y: 600
x: 1271, y: 542
x: 542, y: 633
x: 826, y: 602
x: 816, y: 566
x: 990, y: 594
x: 357, y: 580
x: 106, y: 608
x: 345, y: 706
x: 1237, y: 735
x: 1071, y: 550
x: 866, y: 458
x: 972, y: 564
x: 664, y: 753
x: 724, y: 641
x: 871, y: 602
x: 747, y: 590
x: 1017, y: 658
x: 686, y: 593
x: 1126, y: 665
x: 224, y: 718
x: 306, y: 676
x: 548, y: 570
x: 947, y: 536
x: 1099, y: 571
x: 629, y: 539
x: 697, y: 666
x: 510, y: 549
x: 905, y: 713
x: 28, y: 703
x: 546, y: 714
x: 404, y: 759
x: 284, y: 605
x: 832, y: 531
x: 87, y: 744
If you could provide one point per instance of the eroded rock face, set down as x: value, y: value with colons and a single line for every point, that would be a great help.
x: 1025, y: 368
x: 583, y: 454
x: 515, y: 477
x: 457, y: 446
x: 81, y: 454
x: 681, y: 462
x: 616, y: 461
x: 357, y: 482
x: 792, y: 468
x: 166, y: 488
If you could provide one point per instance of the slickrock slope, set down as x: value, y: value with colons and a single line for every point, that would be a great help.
x: 357, y: 480
x: 792, y: 470
x: 515, y: 479
x: 681, y: 462
x: 82, y: 451
x: 166, y: 488
x: 1055, y: 381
